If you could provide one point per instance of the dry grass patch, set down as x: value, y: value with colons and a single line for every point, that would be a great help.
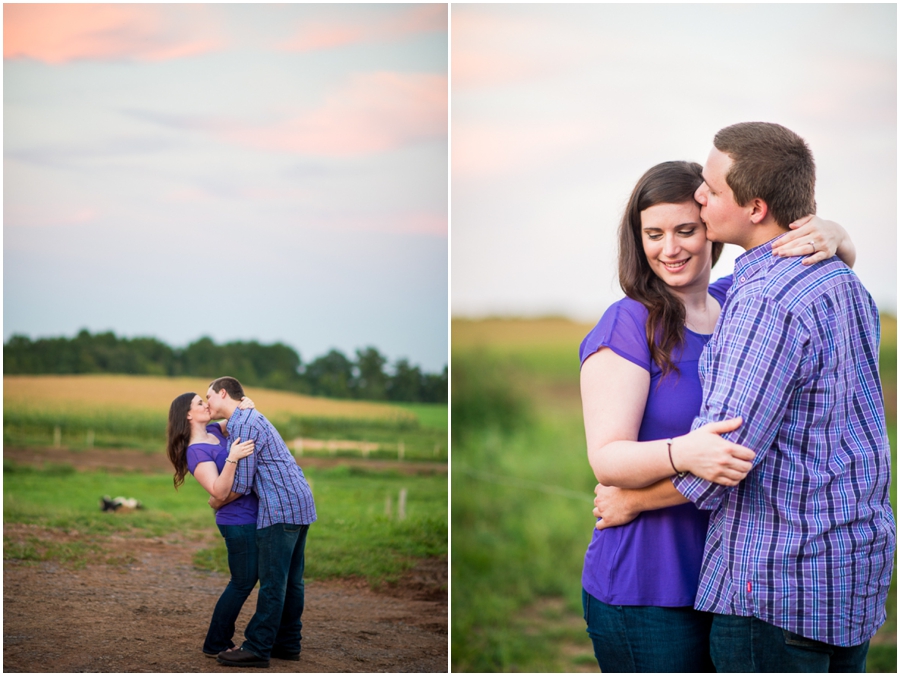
x: 517, y: 333
x: 153, y: 394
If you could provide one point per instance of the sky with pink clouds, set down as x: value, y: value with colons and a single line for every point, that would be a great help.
x: 243, y: 172
x: 557, y: 110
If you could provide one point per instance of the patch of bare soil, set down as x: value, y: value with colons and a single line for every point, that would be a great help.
x: 130, y: 459
x: 151, y: 614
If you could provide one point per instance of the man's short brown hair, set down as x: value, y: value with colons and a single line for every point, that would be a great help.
x: 771, y: 163
x: 231, y: 386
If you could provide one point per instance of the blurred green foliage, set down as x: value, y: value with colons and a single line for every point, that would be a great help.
x: 519, y: 537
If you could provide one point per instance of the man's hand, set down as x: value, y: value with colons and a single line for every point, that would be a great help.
x: 707, y: 454
x: 613, y: 506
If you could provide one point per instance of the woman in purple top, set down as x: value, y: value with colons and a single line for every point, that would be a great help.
x: 640, y: 393
x: 198, y: 446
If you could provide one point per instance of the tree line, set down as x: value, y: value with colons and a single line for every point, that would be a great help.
x: 369, y: 376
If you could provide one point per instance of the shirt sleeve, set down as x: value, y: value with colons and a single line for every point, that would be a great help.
x: 758, y: 360
x: 246, y: 469
x: 621, y: 329
x: 719, y: 288
x: 197, y: 454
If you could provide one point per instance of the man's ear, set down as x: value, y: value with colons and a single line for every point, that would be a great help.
x: 758, y: 210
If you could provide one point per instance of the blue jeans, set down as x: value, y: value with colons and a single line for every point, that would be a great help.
x: 747, y: 644
x: 647, y: 638
x: 276, y: 623
x: 240, y: 541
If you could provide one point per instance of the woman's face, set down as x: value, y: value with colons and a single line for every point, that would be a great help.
x: 199, y: 410
x: 675, y: 244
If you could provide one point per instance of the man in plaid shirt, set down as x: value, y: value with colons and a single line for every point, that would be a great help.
x: 799, y: 555
x: 286, y: 510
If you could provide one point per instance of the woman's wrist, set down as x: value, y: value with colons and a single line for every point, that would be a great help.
x: 671, y: 460
x: 229, y: 459
x: 678, y: 459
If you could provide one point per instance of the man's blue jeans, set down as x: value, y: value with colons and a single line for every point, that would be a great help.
x: 279, y: 606
x: 240, y: 541
x: 747, y: 644
x: 647, y: 638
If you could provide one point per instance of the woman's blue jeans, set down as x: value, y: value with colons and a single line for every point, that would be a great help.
x: 279, y: 605
x: 243, y: 555
x: 648, y: 638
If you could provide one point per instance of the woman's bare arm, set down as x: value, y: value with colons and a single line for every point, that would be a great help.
x: 216, y: 484
x: 618, y: 506
x: 613, y: 394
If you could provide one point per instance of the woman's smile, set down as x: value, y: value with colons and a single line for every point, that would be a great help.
x: 676, y: 266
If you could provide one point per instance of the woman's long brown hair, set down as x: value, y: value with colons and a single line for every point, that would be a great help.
x: 666, y: 183
x: 178, y: 434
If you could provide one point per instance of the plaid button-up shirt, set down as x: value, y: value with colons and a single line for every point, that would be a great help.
x: 806, y: 541
x: 271, y: 472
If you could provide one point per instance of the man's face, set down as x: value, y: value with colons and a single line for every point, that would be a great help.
x: 213, y: 401
x: 725, y: 220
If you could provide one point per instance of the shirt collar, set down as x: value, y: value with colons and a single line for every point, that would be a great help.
x: 234, y: 419
x: 749, y: 263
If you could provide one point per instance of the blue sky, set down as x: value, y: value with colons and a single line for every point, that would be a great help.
x: 557, y: 110
x: 244, y: 172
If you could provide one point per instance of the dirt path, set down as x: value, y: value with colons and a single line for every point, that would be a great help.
x: 150, y: 612
x: 129, y: 459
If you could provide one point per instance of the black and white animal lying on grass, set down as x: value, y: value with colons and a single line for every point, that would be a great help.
x: 119, y: 504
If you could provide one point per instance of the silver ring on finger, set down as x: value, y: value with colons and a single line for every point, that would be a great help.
x: 813, y: 245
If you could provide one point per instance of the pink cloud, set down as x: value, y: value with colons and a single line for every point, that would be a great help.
x: 487, y: 150
x: 32, y: 215
x: 491, y: 49
x: 373, y: 113
x: 320, y: 35
x: 58, y: 33
x: 426, y: 223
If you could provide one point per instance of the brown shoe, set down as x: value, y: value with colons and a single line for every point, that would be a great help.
x: 241, y: 658
x: 284, y: 655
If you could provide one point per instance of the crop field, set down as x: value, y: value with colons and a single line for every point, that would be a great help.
x: 522, y: 494
x: 113, y: 411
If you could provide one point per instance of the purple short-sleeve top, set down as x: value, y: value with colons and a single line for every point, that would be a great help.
x: 654, y: 560
x: 238, y: 512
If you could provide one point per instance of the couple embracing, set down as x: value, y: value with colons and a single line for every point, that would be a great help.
x: 736, y: 428
x: 264, y: 507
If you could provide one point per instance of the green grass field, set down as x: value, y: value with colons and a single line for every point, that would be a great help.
x: 352, y: 537
x: 522, y: 496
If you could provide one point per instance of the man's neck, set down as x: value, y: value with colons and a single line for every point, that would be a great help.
x: 760, y: 234
x: 228, y: 409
